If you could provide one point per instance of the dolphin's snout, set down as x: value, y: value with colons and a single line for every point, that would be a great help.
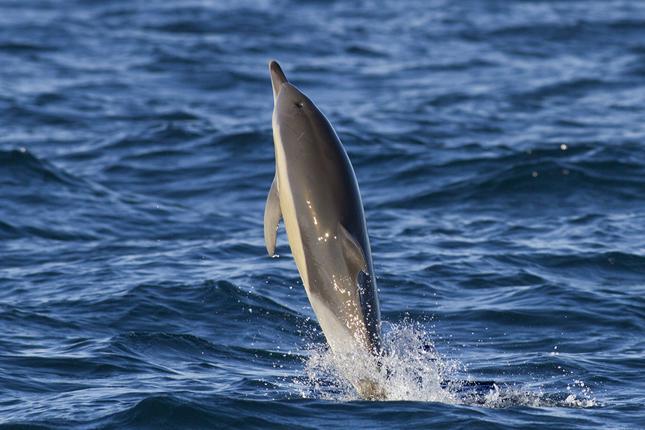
x: 277, y: 77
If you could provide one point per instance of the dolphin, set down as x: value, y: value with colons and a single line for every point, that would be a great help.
x: 316, y: 193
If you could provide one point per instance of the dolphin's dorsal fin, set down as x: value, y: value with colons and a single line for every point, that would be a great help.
x: 272, y: 215
x: 353, y: 251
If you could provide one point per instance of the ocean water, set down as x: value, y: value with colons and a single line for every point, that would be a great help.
x: 500, y: 151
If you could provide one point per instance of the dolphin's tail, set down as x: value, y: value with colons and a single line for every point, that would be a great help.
x: 277, y: 77
x: 369, y: 389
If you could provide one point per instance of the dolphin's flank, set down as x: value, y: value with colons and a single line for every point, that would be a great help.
x: 316, y: 194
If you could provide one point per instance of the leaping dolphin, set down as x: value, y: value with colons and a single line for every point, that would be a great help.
x: 316, y: 193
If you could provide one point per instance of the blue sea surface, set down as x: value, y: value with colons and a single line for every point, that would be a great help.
x: 500, y: 152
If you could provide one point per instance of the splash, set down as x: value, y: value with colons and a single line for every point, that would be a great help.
x: 411, y: 369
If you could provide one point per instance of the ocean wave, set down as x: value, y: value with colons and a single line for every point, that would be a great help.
x: 20, y: 165
x: 542, y: 175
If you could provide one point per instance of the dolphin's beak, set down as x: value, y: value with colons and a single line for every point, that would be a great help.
x: 277, y: 77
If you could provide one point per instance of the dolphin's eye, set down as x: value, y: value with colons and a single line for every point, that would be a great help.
x: 299, y: 104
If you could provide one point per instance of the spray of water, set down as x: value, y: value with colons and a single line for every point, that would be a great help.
x: 411, y: 369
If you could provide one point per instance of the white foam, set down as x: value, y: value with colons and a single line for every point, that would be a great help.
x: 411, y: 369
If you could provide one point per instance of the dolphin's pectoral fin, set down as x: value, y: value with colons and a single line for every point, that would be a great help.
x: 272, y: 215
x: 353, y: 251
